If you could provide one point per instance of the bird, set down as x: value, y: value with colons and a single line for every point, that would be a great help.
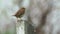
x: 20, y: 13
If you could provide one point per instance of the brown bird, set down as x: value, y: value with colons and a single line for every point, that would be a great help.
x: 20, y: 12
